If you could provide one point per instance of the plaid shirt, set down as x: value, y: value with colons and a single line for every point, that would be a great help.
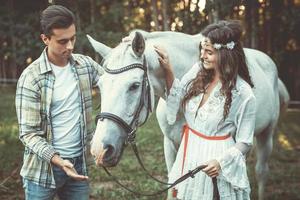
x: 33, y: 99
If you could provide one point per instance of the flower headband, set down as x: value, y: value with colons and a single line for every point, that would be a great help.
x: 229, y: 45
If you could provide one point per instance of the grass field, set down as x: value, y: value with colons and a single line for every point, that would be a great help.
x: 283, y: 183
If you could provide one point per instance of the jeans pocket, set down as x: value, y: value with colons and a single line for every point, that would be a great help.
x: 25, y: 183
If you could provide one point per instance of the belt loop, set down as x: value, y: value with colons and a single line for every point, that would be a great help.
x: 73, y: 160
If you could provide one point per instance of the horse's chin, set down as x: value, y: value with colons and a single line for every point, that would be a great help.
x: 110, y: 162
x: 107, y: 164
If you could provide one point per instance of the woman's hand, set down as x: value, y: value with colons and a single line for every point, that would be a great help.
x: 213, y: 168
x: 163, y: 58
x: 164, y: 62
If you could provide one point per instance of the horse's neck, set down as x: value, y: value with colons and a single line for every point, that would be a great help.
x: 183, y: 52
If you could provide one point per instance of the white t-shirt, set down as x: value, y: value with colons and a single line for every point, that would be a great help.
x: 65, y: 112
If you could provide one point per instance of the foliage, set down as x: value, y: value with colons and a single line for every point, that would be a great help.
x: 224, y: 7
x: 110, y: 20
x: 10, y: 146
x: 16, y: 33
x: 284, y: 163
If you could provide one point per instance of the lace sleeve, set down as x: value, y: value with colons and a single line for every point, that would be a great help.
x: 174, y: 100
x: 233, y: 168
x: 233, y: 162
x: 245, y: 121
x: 177, y: 92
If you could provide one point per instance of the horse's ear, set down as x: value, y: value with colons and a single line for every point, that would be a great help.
x: 138, y: 44
x: 102, y: 49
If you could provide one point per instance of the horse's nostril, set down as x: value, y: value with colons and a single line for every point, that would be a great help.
x: 110, y: 151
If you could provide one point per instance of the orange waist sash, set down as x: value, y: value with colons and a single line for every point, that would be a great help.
x: 185, y: 134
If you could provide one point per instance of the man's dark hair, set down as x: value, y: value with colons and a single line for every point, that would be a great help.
x: 55, y: 16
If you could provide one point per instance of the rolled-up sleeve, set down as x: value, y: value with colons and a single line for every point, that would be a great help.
x: 32, y: 128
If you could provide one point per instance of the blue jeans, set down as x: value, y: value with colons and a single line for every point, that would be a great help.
x: 66, y: 187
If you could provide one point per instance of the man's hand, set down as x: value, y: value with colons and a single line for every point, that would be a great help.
x: 212, y: 169
x: 68, y: 167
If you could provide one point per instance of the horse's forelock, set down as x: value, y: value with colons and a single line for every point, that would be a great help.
x: 119, y: 55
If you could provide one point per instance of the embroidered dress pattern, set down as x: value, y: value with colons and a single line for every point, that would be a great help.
x: 205, y: 139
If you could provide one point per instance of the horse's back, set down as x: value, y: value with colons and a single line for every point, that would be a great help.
x: 263, y: 61
x: 263, y: 72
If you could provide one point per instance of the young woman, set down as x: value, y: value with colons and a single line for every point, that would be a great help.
x: 219, y: 107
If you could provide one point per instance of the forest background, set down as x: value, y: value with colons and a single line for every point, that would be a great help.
x: 272, y: 26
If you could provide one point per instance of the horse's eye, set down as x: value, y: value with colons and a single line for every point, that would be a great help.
x: 134, y: 86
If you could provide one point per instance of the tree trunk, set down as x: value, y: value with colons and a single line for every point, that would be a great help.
x: 12, y: 65
x: 214, y: 14
x: 254, y: 24
x: 92, y: 4
x: 166, y: 19
x: 92, y: 21
x: 247, y: 23
x: 267, y: 28
x: 154, y: 14
x: 251, y: 17
x: 186, y: 16
x: 78, y: 24
x: 2, y: 71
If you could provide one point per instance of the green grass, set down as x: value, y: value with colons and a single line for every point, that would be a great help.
x: 284, y: 178
x: 10, y: 147
x: 283, y: 183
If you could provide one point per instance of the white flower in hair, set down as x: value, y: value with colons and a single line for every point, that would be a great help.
x: 230, y: 45
x: 217, y: 46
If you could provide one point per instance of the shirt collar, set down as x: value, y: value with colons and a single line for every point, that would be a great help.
x: 45, y: 65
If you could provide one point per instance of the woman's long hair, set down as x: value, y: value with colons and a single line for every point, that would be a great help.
x: 230, y: 63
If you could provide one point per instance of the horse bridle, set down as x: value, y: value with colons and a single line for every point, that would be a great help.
x: 131, y: 128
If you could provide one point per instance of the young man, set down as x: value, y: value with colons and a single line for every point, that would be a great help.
x: 54, y: 109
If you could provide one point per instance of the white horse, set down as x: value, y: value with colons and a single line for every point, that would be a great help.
x: 122, y: 92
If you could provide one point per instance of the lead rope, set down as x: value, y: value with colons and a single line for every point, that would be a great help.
x: 179, y: 180
x: 135, y: 150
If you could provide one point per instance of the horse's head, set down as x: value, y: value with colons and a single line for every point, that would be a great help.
x: 126, y: 98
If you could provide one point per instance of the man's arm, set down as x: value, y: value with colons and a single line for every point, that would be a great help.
x: 32, y: 128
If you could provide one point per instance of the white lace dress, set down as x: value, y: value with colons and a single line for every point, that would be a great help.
x: 232, y: 182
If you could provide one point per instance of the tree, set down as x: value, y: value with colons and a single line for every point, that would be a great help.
x: 154, y: 15
x: 251, y: 25
x: 165, y: 11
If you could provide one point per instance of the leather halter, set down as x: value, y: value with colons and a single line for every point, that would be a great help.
x: 131, y: 128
